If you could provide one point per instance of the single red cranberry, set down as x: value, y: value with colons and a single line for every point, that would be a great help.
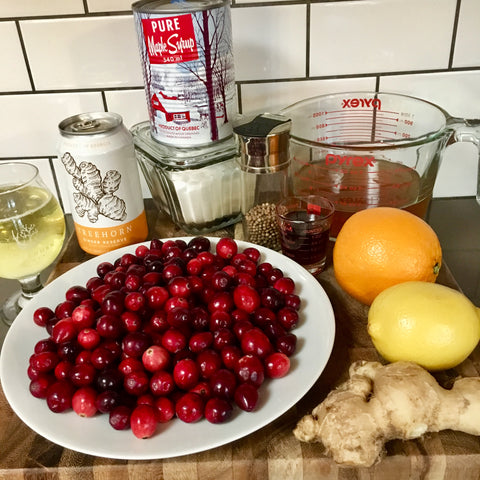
x: 59, y: 396
x: 223, y: 383
x: 77, y: 293
x: 143, y: 421
x: 135, y: 343
x: 40, y: 385
x: 286, y: 344
x: 255, y: 342
x: 218, y: 410
x: 209, y: 361
x: 250, y: 369
x: 200, y: 341
x: 226, y: 248
x: 45, y: 345
x: 277, y: 365
x: 110, y: 379
x: 285, y: 285
x: 110, y: 326
x: 288, y: 317
x: 179, y: 287
x: 252, y: 253
x: 119, y: 417
x: 246, y: 397
x: 155, y: 358
x: 199, y: 244
x: 83, y: 402
x: 246, y: 298
x: 162, y: 383
x: 102, y: 357
x: 174, y: 340
x: 83, y: 316
x: 156, y: 296
x: 189, y: 407
x: 82, y: 375
x: 136, y: 383
x: 230, y: 354
x: 165, y: 409
x: 103, y: 268
x: 64, y: 309
x: 64, y: 331
x: 186, y: 374
x: 41, y: 316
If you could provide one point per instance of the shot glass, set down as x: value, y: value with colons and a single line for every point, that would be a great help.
x: 304, y: 225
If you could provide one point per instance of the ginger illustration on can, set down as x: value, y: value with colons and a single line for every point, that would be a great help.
x: 94, y: 195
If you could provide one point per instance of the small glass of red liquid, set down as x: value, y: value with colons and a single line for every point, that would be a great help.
x: 304, y: 224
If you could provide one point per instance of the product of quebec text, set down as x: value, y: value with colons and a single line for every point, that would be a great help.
x: 187, y: 59
x: 97, y: 154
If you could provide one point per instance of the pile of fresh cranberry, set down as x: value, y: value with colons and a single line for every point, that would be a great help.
x: 171, y: 330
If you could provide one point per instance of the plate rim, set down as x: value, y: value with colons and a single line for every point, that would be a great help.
x: 328, y: 322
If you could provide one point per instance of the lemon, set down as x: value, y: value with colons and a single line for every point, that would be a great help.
x: 423, y: 322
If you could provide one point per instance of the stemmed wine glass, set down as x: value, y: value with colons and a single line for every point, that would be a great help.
x: 32, y: 231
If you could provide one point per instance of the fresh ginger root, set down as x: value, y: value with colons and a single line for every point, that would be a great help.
x: 379, y: 403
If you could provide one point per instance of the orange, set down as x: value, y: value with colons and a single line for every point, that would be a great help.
x: 383, y: 246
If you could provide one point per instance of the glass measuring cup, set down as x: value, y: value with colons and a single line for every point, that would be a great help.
x: 368, y: 149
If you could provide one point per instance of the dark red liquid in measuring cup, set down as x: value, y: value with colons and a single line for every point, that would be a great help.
x: 303, y: 242
x: 352, y: 188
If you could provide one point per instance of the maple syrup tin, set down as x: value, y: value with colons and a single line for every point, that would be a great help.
x: 187, y: 59
x: 97, y: 155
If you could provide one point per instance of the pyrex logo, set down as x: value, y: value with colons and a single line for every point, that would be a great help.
x: 362, y: 102
x: 357, y: 161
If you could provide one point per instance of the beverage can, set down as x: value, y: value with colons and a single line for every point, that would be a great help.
x: 97, y: 153
x: 187, y: 59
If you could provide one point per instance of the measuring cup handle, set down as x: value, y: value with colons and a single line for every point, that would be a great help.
x: 467, y: 130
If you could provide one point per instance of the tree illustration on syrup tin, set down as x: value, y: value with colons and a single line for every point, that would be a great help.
x: 212, y: 68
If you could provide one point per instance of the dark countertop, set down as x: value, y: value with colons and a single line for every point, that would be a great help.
x: 457, y: 224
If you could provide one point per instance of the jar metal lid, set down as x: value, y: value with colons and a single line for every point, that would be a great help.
x: 264, y: 143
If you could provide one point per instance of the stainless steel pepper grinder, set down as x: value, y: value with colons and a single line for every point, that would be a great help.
x: 264, y: 158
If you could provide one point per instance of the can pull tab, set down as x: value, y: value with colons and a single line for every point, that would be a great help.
x: 85, y: 125
x: 264, y: 142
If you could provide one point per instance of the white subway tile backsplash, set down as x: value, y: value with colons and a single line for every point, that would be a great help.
x: 355, y: 37
x: 89, y: 52
x: 468, y: 35
x: 14, y: 74
x: 33, y: 8
x: 130, y: 104
x: 29, y: 123
x: 456, y: 92
x: 109, y: 5
x: 272, y: 97
x: 269, y: 42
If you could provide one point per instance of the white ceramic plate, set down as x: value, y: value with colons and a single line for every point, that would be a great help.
x: 94, y: 436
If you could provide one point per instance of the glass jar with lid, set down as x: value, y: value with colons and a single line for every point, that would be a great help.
x: 264, y: 159
x: 198, y: 187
